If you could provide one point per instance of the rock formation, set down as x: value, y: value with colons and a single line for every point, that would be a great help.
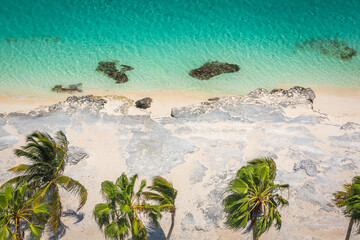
x: 70, y: 89
x: 212, y: 69
x: 144, y: 103
x: 338, y: 49
x: 110, y: 69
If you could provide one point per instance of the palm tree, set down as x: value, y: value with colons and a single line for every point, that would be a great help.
x: 45, y: 173
x: 164, y: 194
x: 119, y: 216
x: 350, y: 200
x: 17, y: 211
x: 253, y: 200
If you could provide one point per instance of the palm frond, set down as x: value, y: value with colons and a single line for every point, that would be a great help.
x: 74, y: 187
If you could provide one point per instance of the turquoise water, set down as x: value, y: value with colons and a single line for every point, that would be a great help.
x: 43, y: 43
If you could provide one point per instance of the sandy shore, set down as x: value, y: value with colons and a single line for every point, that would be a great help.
x: 163, y: 101
x: 201, y: 155
x: 341, y: 104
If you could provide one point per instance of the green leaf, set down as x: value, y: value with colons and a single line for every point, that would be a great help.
x: 102, y: 208
x: 264, y: 172
x: 239, y: 186
x: 136, y: 227
x: 36, y: 230
x: 5, y: 232
x: 3, y: 201
x: 126, y: 208
x: 41, y: 208
x: 20, y: 168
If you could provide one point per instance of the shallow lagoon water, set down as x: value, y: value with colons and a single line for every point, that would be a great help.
x: 44, y: 43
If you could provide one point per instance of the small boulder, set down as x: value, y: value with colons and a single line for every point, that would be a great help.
x: 212, y: 69
x: 214, y: 99
x: 70, y: 89
x: 144, y: 103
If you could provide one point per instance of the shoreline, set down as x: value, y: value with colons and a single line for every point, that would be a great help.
x: 338, y: 103
x: 201, y: 155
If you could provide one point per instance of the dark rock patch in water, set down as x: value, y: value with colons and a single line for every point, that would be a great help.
x: 338, y: 49
x: 144, y: 103
x: 110, y: 69
x: 212, y: 69
x: 70, y: 89
x: 47, y: 39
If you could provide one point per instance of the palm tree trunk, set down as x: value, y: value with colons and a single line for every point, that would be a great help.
x: 18, y: 229
x: 255, y: 237
x: 351, y: 223
x: 172, y: 225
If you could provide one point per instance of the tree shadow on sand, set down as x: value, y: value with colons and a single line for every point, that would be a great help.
x: 155, y: 233
x: 62, y: 230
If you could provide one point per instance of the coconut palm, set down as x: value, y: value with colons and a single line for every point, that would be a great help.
x: 350, y: 200
x: 18, y: 211
x: 120, y: 215
x: 45, y: 172
x: 164, y: 194
x: 253, y: 199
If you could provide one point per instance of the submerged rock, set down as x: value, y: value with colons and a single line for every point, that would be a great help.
x: 110, y: 69
x: 212, y: 69
x: 144, y: 103
x: 47, y: 39
x: 70, y: 89
x: 338, y: 49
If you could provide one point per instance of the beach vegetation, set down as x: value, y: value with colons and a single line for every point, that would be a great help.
x: 19, y: 212
x: 44, y: 174
x: 164, y: 194
x: 349, y: 200
x: 253, y: 199
x: 120, y: 216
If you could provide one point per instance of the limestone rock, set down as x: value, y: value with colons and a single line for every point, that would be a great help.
x: 307, y: 165
x: 144, y: 103
x: 240, y: 106
x: 212, y: 69
x: 85, y: 103
x: 350, y: 126
x: 75, y: 155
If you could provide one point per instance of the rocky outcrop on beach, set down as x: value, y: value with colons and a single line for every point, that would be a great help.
x: 276, y: 99
x: 144, y: 103
x: 212, y: 69
x: 87, y: 103
x: 338, y: 49
x: 75, y: 155
x: 73, y: 88
x: 199, y: 150
x: 110, y: 69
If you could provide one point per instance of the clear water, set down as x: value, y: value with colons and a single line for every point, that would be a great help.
x: 164, y: 39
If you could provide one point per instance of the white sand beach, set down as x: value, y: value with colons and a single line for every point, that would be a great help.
x: 199, y: 150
